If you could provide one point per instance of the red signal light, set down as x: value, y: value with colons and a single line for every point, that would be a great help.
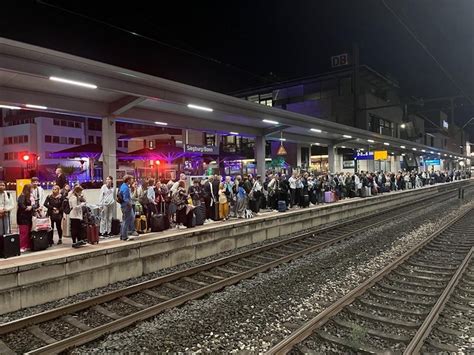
x: 25, y: 157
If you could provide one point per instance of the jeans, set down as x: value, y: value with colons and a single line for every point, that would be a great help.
x: 128, y: 219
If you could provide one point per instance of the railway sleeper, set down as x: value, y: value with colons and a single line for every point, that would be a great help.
x: 402, y: 299
x: 347, y: 343
x: 388, y: 336
x: 392, y: 308
x: 432, y: 266
x: 37, y: 332
x: 420, y: 277
x: 5, y: 350
x: 429, y: 272
x: 132, y: 303
x: 411, y: 292
x: 417, y: 284
x: 373, y: 317
x: 75, y: 323
x: 156, y: 295
x: 442, y: 346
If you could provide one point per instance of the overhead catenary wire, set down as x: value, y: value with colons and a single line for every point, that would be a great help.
x: 425, y: 48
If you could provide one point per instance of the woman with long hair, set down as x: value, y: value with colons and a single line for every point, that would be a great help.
x: 76, y: 201
x: 24, y: 217
x: 54, y: 206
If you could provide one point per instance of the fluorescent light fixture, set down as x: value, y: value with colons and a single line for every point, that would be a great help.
x: 370, y: 141
x: 403, y: 125
x: 346, y: 136
x: 283, y: 139
x: 385, y: 143
x: 270, y: 121
x: 161, y: 123
x: 423, y: 150
x: 10, y: 107
x: 343, y: 146
x: 36, y: 106
x: 450, y: 156
x: 315, y: 130
x: 445, y: 155
x: 403, y: 154
x: 202, y: 108
x: 431, y: 152
x: 73, y: 82
x: 439, y: 153
x: 402, y: 146
x: 234, y: 133
x: 362, y: 149
x: 320, y: 144
x: 413, y: 148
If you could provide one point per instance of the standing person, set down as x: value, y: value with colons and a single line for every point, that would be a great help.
x: 209, y: 197
x: 127, y: 210
x: 24, y: 217
x: 195, y: 192
x: 257, y: 194
x: 228, y: 190
x: 76, y: 201
x: 54, y: 207
x: 6, y: 206
x: 61, y: 180
x: 66, y: 222
x: 223, y: 203
x: 180, y: 198
x: 292, y: 181
x: 106, y: 205
x: 273, y: 191
x: 38, y: 194
x: 150, y: 201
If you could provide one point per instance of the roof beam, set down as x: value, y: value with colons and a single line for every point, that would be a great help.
x: 124, y: 104
x: 268, y: 131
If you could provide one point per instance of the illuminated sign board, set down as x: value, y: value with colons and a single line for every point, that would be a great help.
x: 433, y: 162
x: 380, y: 155
x: 203, y: 149
x: 364, y: 156
x: 339, y: 60
x: 348, y: 164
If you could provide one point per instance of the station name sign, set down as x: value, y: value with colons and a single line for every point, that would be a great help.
x: 364, y: 156
x: 203, y: 149
x: 432, y: 162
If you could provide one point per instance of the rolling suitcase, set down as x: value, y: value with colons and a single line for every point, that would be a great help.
x: 191, y: 220
x: 215, y: 212
x: 305, y: 200
x: 157, y: 223
x: 281, y: 206
x: 200, y: 213
x: 92, y: 233
x: 9, y: 243
x: 329, y: 196
x: 40, y: 240
x: 141, y: 224
x: 115, y: 229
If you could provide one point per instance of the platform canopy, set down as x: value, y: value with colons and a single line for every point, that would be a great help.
x: 91, y: 151
x: 167, y: 153
x: 31, y: 75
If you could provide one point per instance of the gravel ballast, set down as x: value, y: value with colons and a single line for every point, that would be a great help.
x: 259, y: 312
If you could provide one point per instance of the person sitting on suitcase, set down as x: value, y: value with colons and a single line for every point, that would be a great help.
x: 6, y: 206
x: 54, y: 209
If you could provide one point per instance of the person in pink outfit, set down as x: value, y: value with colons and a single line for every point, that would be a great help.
x: 24, y: 217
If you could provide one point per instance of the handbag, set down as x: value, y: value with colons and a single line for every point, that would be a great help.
x: 40, y: 224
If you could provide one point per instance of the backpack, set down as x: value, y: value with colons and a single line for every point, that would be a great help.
x: 66, y: 207
x: 120, y: 197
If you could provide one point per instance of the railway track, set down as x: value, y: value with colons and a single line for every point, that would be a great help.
x: 69, y: 326
x: 397, y: 309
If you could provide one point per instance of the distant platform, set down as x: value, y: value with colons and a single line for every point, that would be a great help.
x: 39, y: 277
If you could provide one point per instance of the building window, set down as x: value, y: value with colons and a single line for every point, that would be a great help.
x: 63, y: 123
x: 63, y: 140
x: 98, y: 140
x: 266, y: 102
x: 77, y: 125
x: 70, y: 140
x: 382, y: 126
x: 47, y: 139
x: 56, y: 139
x: 78, y: 141
x: 56, y: 122
x: 70, y: 124
x: 91, y: 139
x: 209, y: 139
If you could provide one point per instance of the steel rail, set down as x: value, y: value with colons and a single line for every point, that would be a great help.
x: 417, y: 342
x: 287, y: 344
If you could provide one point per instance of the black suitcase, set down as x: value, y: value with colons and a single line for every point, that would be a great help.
x: 200, y: 213
x: 9, y: 245
x: 305, y: 200
x: 40, y: 240
x: 191, y: 220
x: 158, y: 223
x: 115, y: 228
x: 215, y: 211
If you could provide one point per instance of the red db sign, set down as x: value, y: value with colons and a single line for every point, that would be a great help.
x: 339, y: 60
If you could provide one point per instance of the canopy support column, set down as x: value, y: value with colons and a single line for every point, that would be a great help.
x: 260, y: 155
x: 109, y: 150
x: 332, y: 158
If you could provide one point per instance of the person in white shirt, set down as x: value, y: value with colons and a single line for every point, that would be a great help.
x: 292, y: 181
x: 106, y: 205
x: 6, y: 206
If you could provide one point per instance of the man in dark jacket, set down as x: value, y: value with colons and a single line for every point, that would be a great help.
x: 61, y: 180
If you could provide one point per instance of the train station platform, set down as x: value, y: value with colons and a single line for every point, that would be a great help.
x: 60, y: 272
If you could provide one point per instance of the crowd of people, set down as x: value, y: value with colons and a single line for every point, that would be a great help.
x: 219, y: 198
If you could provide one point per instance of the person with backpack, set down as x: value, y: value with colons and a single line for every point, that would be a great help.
x: 106, y: 205
x: 54, y: 208
x: 6, y: 206
x: 125, y: 199
x: 180, y: 198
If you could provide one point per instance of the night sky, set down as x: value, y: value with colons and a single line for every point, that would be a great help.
x: 232, y: 45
